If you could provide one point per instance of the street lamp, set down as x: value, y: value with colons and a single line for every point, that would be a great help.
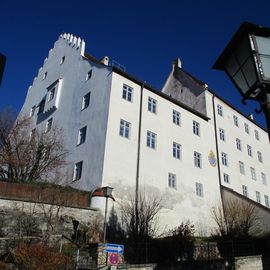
x: 246, y: 60
x: 2, y: 66
x: 107, y: 192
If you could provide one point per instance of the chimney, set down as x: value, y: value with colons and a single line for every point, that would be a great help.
x: 105, y: 60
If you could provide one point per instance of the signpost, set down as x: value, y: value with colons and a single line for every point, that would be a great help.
x: 114, y: 248
x: 114, y: 259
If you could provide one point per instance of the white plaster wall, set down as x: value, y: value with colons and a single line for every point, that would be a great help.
x: 69, y: 115
x: 229, y: 146
x: 121, y: 158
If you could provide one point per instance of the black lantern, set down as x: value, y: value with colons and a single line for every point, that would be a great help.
x: 246, y: 60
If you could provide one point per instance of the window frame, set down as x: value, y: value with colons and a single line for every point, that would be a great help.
x: 151, y: 139
x: 152, y: 105
x: 246, y: 126
x: 222, y: 134
x: 226, y: 178
x: 260, y: 158
x: 245, y: 190
x: 172, y: 181
x: 224, y: 159
x: 127, y: 93
x: 238, y: 144
x: 249, y: 150
x: 263, y: 177
x: 235, y: 120
x: 177, y: 150
x: 258, y: 196
x: 253, y: 173
x: 86, y: 101
x: 199, y: 189
x: 256, y: 133
x: 77, y: 172
x: 196, y: 128
x: 197, y: 159
x: 242, y: 167
x: 124, y: 128
x: 220, y: 110
x: 176, y: 116
x: 82, y: 135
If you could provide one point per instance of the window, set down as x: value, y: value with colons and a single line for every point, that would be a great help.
x: 252, y: 173
x: 62, y: 60
x: 245, y: 190
x: 124, y: 130
x: 88, y: 75
x: 235, y: 120
x: 199, y: 189
x: 151, y: 139
x: 172, y: 180
x: 220, y: 110
x: 238, y: 144
x: 257, y: 137
x: 242, y: 167
x: 152, y: 105
x: 226, y: 178
x: 249, y: 150
x: 263, y: 176
x: 51, y: 93
x: 176, y: 150
x: 48, y: 125
x: 266, y: 200
x: 41, y: 106
x: 32, y: 111
x: 222, y: 134
x: 127, y: 93
x: 197, y: 159
x: 224, y: 159
x: 258, y: 197
x: 176, y: 118
x: 82, y: 135
x: 196, y: 128
x: 77, y: 174
x: 44, y: 76
x: 86, y: 101
x: 260, y: 156
x: 246, y: 128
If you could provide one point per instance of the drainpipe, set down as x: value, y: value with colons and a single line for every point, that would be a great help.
x: 138, y: 160
x: 217, y: 151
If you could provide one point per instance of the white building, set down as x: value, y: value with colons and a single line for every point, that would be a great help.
x: 123, y: 133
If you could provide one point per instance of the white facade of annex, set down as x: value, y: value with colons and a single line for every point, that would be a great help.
x: 240, y: 134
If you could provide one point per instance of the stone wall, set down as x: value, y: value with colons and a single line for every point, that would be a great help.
x: 45, y: 193
x: 248, y: 263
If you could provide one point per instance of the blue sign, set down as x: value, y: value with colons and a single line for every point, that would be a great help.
x: 114, y: 248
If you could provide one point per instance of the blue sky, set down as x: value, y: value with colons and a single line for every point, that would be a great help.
x: 144, y: 36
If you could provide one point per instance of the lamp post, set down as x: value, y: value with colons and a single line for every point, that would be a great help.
x: 107, y: 191
x: 2, y: 66
x: 246, y: 60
